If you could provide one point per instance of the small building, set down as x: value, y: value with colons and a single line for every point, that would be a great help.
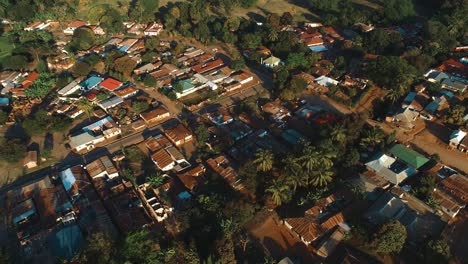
x: 163, y: 160
x: 179, y: 135
x: 156, y: 115
x: 91, y: 82
x: 85, y: 141
x: 316, y: 222
x: 186, y: 87
x: 110, y: 84
x: 97, y: 30
x: 451, y: 194
x: 409, y: 156
x: 406, y: 117
x: 37, y: 26
x: 153, y: 29
x: 222, y: 166
x: 456, y: 138
x: 30, y: 161
x: 70, y: 88
x: 271, y: 62
x: 127, y: 92
x: 243, y: 77
x: 205, y: 67
x: 390, y: 169
x: 24, y: 210
x: 110, y: 103
x: 192, y: 178
x: 149, y: 67
x: 102, y: 167
x: 73, y: 26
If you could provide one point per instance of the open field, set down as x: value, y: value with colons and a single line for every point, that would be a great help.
x: 298, y: 8
x: 5, y: 48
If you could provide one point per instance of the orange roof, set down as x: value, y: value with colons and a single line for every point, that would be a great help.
x: 158, y: 142
x: 154, y: 114
x: 314, y: 41
x: 177, y: 133
x: 208, y: 66
x: 371, y: 56
x: 310, y: 34
x: 91, y: 95
x: 125, y: 91
x: 110, y: 84
x: 77, y: 24
x: 28, y: 81
x: 242, y: 76
x: 162, y: 158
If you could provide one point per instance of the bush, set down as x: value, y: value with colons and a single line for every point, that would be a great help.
x: 12, y: 151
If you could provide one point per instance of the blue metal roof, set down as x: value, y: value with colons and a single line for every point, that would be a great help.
x: 184, y: 195
x: 432, y: 106
x: 96, y: 124
x: 66, y: 242
x: 68, y: 179
x: 91, y: 82
x: 318, y: 48
x: 124, y: 48
x: 410, y: 97
x: 447, y: 93
x: 4, y: 101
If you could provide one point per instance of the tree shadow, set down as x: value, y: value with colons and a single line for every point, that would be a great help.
x: 256, y: 17
x: 438, y: 130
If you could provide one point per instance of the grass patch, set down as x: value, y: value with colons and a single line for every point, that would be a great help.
x: 5, y: 48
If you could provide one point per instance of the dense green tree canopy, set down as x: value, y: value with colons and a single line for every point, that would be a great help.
x: 12, y: 150
x: 390, y: 238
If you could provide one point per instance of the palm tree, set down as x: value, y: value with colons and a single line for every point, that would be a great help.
x: 322, y: 177
x: 264, y: 160
x: 86, y: 106
x: 309, y: 159
x: 272, y: 34
x: 294, y: 172
x: 279, y: 191
x: 372, y: 137
x: 393, y: 95
x: 157, y: 179
x: 338, y: 133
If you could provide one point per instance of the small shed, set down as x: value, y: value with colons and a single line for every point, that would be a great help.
x: 30, y: 161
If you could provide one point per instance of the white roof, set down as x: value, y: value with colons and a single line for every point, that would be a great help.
x: 384, y: 161
x: 69, y: 87
x: 81, y: 139
x: 68, y: 179
x: 326, y: 81
x: 111, y: 102
x: 457, y: 136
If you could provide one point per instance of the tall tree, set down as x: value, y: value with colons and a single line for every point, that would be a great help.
x: 86, y: 106
x: 144, y: 11
x: 279, y: 191
x: 264, y: 160
x: 390, y: 238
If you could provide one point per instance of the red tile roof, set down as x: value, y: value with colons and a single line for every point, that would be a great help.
x: 110, y: 84
x: 77, y: 24
x: 314, y: 41
x: 28, y: 81
x: 208, y: 66
x: 91, y: 95
x: 310, y: 34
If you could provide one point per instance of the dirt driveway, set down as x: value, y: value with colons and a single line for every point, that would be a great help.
x: 429, y: 143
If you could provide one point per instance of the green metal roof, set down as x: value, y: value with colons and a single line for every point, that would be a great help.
x: 409, y: 156
x: 271, y: 60
x: 186, y: 84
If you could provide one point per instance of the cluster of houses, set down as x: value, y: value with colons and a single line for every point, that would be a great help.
x: 59, y: 209
x: 452, y: 75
